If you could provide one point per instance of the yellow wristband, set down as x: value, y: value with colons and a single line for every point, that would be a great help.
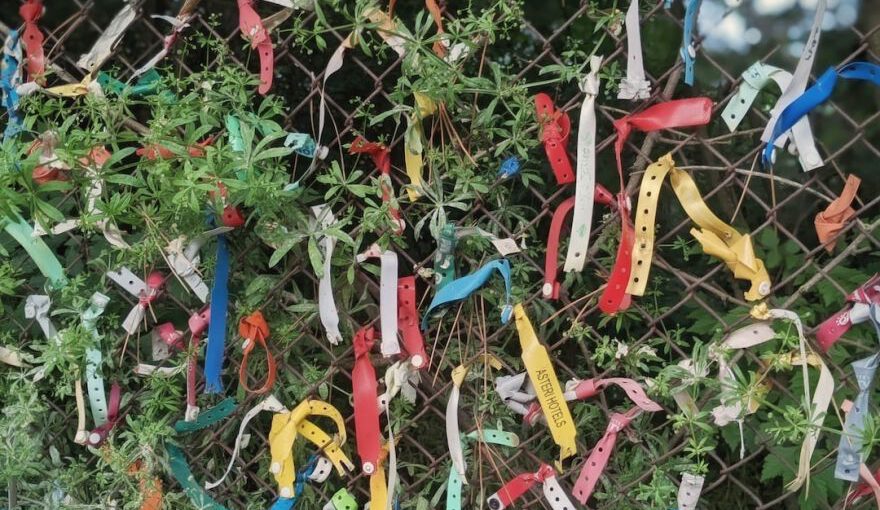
x: 412, y: 142
x: 716, y: 237
x: 543, y: 377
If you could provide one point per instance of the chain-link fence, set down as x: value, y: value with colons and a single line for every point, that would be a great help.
x: 687, y: 287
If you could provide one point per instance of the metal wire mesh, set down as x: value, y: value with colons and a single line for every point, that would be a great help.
x: 782, y: 203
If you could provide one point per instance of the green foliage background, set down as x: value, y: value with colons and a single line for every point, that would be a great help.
x: 488, y: 116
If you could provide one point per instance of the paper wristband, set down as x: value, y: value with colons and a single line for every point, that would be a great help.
x: 855, y: 312
x: 830, y: 222
x: 543, y: 378
x: 326, y: 303
x: 554, y: 495
x: 800, y: 77
x: 254, y: 330
x: 390, y: 345
x: 715, y: 236
x: 586, y: 171
x: 670, y: 114
x: 555, y: 128
x: 634, y: 86
x: 755, y: 78
x: 461, y: 288
x: 42, y: 256
x: 816, y: 95
x: 214, y: 352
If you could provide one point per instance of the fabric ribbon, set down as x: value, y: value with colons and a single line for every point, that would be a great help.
x: 31, y: 11
x: 43, y: 257
x: 555, y: 128
x: 715, y: 236
x: 326, y: 303
x: 543, y: 377
x: 255, y: 330
x: 270, y: 404
x: 408, y: 322
x: 754, y: 79
x: 287, y: 425
x: 550, y: 289
x: 688, y: 49
x: 107, y: 42
x: 668, y: 115
x: 453, y: 434
x: 586, y: 170
x: 461, y: 288
x: 598, y: 459
x: 554, y: 494
x: 412, y: 143
x: 10, y: 79
x: 634, y: 86
x: 850, y: 450
x: 364, y: 393
x: 390, y: 345
x: 799, y: 79
x: 381, y: 156
x: 145, y: 293
x: 855, y: 312
x: 816, y: 95
x: 830, y: 222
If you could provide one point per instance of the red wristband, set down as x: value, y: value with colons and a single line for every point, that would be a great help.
x: 555, y: 128
x: 255, y: 330
x: 408, y: 322
x: 99, y: 435
x: 598, y: 459
x: 381, y: 156
x: 366, y: 401
x: 31, y: 11
x: 550, y: 290
x: 251, y: 26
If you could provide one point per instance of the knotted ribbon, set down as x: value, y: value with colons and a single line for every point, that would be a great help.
x: 381, y: 156
x: 326, y: 304
x: 855, y: 312
x: 255, y: 330
x: 634, y: 86
x: 598, y: 459
x: 145, y: 293
x: 830, y: 222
